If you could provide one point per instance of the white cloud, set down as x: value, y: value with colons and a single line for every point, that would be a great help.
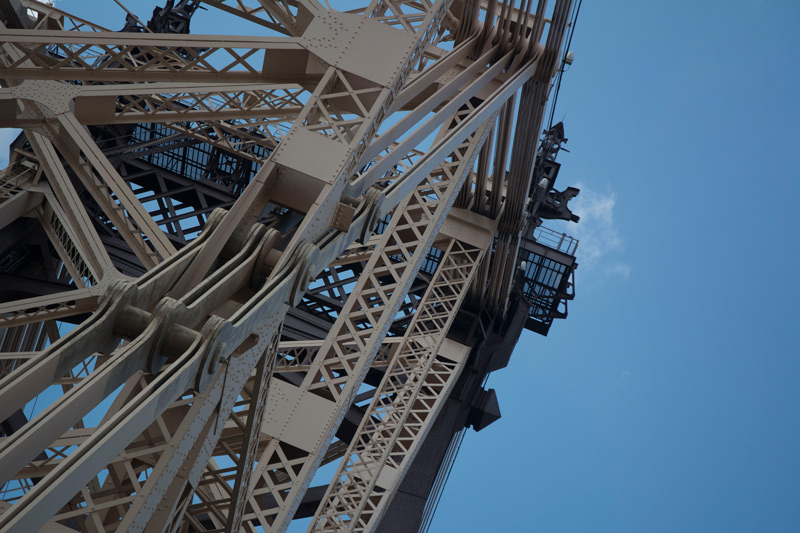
x: 597, y: 233
x: 619, y: 269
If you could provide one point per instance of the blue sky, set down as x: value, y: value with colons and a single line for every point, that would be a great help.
x: 669, y: 400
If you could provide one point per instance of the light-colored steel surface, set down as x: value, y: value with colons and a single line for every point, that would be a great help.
x: 182, y: 402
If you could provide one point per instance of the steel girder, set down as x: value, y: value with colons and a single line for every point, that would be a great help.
x: 209, y: 378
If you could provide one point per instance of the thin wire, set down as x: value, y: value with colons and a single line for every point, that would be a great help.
x: 563, y: 63
x: 460, y: 439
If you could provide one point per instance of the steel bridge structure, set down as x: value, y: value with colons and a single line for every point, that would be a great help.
x: 248, y: 279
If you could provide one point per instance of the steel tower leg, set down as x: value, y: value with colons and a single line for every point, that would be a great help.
x: 306, y: 325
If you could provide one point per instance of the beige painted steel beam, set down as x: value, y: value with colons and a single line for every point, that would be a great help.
x: 215, y: 421
x: 140, y: 57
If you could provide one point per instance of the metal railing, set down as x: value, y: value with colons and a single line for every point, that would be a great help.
x: 555, y: 240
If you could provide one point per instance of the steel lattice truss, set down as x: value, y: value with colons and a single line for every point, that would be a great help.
x: 272, y: 253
